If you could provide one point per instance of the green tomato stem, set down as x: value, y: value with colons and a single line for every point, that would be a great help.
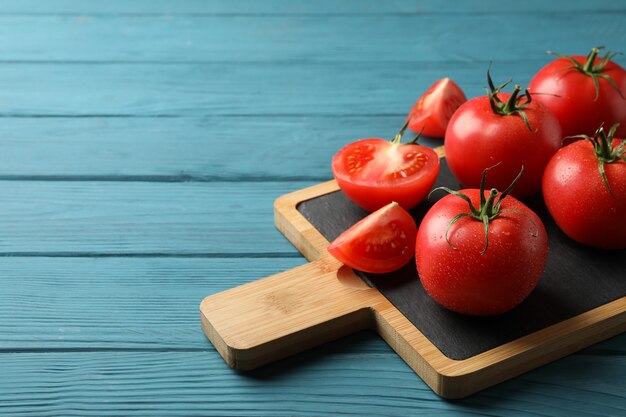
x: 515, y: 105
x: 488, y: 210
x: 593, y: 70
x: 591, y: 59
x: 603, y: 150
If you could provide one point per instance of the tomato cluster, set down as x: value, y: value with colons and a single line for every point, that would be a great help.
x: 481, y: 251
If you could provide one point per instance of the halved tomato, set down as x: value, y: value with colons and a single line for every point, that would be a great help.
x: 375, y: 172
x: 432, y: 111
x: 381, y: 242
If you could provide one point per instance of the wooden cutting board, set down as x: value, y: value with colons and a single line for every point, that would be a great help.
x: 580, y: 300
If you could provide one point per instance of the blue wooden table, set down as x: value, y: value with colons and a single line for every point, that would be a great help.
x: 141, y: 147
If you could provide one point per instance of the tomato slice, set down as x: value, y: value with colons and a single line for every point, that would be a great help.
x: 375, y: 172
x: 381, y: 242
x: 432, y: 111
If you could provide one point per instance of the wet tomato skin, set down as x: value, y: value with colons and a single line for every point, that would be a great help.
x: 477, y: 138
x: 579, y: 200
x: 374, y: 172
x: 571, y: 96
x: 381, y: 242
x: 467, y: 281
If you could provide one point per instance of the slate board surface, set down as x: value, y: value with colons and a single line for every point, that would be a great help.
x: 576, y: 279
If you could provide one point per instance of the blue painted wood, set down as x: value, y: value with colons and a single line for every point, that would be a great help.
x: 295, y: 89
x: 432, y: 37
x: 128, y: 205
x: 296, y: 7
x: 355, y: 376
x: 183, y: 149
x: 82, y: 218
x: 118, y: 303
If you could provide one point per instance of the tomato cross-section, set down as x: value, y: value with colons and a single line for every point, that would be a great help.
x: 375, y: 172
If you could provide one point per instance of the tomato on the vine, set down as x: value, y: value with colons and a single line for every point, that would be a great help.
x: 584, y: 188
x: 506, y: 129
x: 481, y: 261
x: 432, y: 111
x: 381, y: 242
x: 583, y: 92
x: 375, y: 172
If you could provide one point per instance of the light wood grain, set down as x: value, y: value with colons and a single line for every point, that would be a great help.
x: 266, y: 320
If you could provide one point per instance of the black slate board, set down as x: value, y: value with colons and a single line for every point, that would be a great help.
x: 577, y: 279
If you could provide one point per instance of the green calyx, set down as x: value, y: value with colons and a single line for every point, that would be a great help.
x: 489, y: 207
x: 592, y: 68
x: 514, y: 105
x: 397, y: 140
x: 603, y: 149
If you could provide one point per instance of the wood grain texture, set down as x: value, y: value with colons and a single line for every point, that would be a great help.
x: 296, y: 89
x: 223, y: 89
x: 182, y: 149
x: 226, y: 72
x: 401, y: 37
x: 116, y: 303
x: 269, y: 319
x: 336, y: 378
x: 141, y: 218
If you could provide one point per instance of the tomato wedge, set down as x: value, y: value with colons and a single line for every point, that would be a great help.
x: 432, y: 111
x: 381, y: 242
x: 374, y: 172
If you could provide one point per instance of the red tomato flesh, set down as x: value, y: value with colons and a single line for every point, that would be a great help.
x: 375, y: 172
x: 381, y: 242
x: 432, y: 111
x: 579, y: 200
x: 468, y: 281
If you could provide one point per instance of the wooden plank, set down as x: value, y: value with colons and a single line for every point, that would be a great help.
x: 269, y: 319
x: 296, y: 7
x: 295, y: 89
x: 120, y: 303
x: 332, y: 380
x: 253, y: 39
x: 183, y: 149
x: 116, y: 303
x: 141, y: 218
x: 141, y: 309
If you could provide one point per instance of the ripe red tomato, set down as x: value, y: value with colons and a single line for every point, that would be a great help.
x: 478, y: 137
x: 567, y: 86
x: 432, y: 111
x: 375, y: 172
x: 461, y: 273
x: 580, y: 201
x: 381, y: 242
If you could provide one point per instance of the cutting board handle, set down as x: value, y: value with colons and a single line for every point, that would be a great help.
x: 274, y: 317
